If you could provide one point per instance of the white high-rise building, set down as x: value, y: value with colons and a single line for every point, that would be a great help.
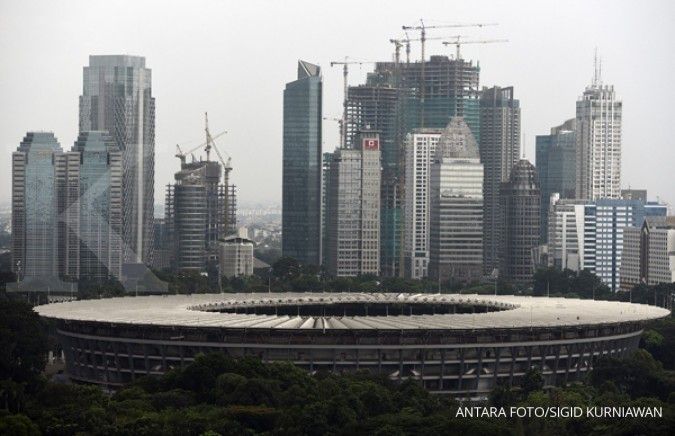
x: 420, y: 149
x: 590, y: 234
x: 235, y: 254
x: 353, y: 222
x: 456, y: 212
x: 598, y: 155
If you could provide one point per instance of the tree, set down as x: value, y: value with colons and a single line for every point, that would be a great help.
x: 23, y: 341
x: 532, y: 381
x: 286, y: 268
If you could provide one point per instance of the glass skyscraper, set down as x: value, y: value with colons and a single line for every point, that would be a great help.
x: 556, y: 167
x: 499, y: 152
x: 301, y: 185
x: 117, y: 97
x: 100, y: 235
x: 34, y: 240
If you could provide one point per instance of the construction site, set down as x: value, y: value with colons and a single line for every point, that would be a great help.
x: 399, y: 96
x: 200, y: 206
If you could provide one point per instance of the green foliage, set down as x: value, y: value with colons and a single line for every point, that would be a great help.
x: 217, y: 394
x: 640, y: 375
x: 583, y: 284
x: 24, y: 346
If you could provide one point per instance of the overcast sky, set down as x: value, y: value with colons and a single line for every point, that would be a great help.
x: 232, y: 59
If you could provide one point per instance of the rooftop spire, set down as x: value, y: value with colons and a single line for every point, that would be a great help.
x: 597, y: 69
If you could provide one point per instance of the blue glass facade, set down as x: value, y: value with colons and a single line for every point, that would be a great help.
x: 100, y: 205
x: 556, y: 168
x: 117, y: 97
x: 34, y: 240
x: 301, y: 180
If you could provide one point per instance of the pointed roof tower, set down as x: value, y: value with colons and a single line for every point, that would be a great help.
x: 457, y: 141
x: 305, y: 69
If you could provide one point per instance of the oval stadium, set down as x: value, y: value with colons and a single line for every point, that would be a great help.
x: 461, y: 345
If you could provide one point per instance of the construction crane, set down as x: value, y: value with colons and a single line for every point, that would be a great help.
x: 423, y: 29
x: 181, y: 154
x: 208, y: 145
x: 458, y: 43
x: 398, y: 43
x: 345, y: 72
x: 423, y: 37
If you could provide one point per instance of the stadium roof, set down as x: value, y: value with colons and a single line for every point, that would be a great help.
x: 193, y: 311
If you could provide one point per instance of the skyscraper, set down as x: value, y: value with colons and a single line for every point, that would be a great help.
x: 34, y: 241
x: 456, y: 224
x: 520, y: 199
x: 117, y: 97
x: 325, y: 189
x: 354, y: 209
x: 598, y: 156
x: 376, y: 105
x: 556, y: 167
x: 397, y: 98
x: 499, y: 152
x: 301, y: 185
x: 420, y: 150
x: 439, y: 88
x: 100, y: 206
x: 197, y: 214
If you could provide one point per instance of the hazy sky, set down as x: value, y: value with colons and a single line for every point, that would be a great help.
x: 232, y: 59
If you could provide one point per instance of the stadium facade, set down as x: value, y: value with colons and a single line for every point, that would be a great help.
x: 462, y: 345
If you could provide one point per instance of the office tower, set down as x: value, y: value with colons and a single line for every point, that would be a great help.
x: 590, y: 234
x: 456, y: 221
x: 649, y: 253
x: 377, y: 106
x: 420, y: 149
x: 598, y: 126
x: 499, y: 152
x: 197, y: 214
x: 354, y: 209
x: 67, y: 227
x: 236, y: 255
x: 34, y: 241
x: 117, y: 97
x: 556, y: 167
x: 100, y: 205
x: 520, y: 199
x: 301, y: 185
x: 325, y: 189
x: 161, y: 244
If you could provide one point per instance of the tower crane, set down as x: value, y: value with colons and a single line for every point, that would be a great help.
x: 181, y: 154
x: 423, y: 37
x: 423, y: 28
x: 345, y: 72
x: 208, y: 145
x: 398, y: 43
x: 458, y: 43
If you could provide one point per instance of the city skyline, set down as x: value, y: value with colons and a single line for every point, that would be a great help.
x: 46, y: 99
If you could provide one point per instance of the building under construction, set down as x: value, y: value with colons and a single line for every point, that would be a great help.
x: 397, y: 98
x: 199, y: 209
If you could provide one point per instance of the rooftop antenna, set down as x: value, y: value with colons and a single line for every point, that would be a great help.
x: 597, y: 68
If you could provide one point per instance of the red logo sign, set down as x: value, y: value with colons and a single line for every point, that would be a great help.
x: 371, y: 144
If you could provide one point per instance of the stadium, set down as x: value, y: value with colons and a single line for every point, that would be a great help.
x: 462, y: 345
